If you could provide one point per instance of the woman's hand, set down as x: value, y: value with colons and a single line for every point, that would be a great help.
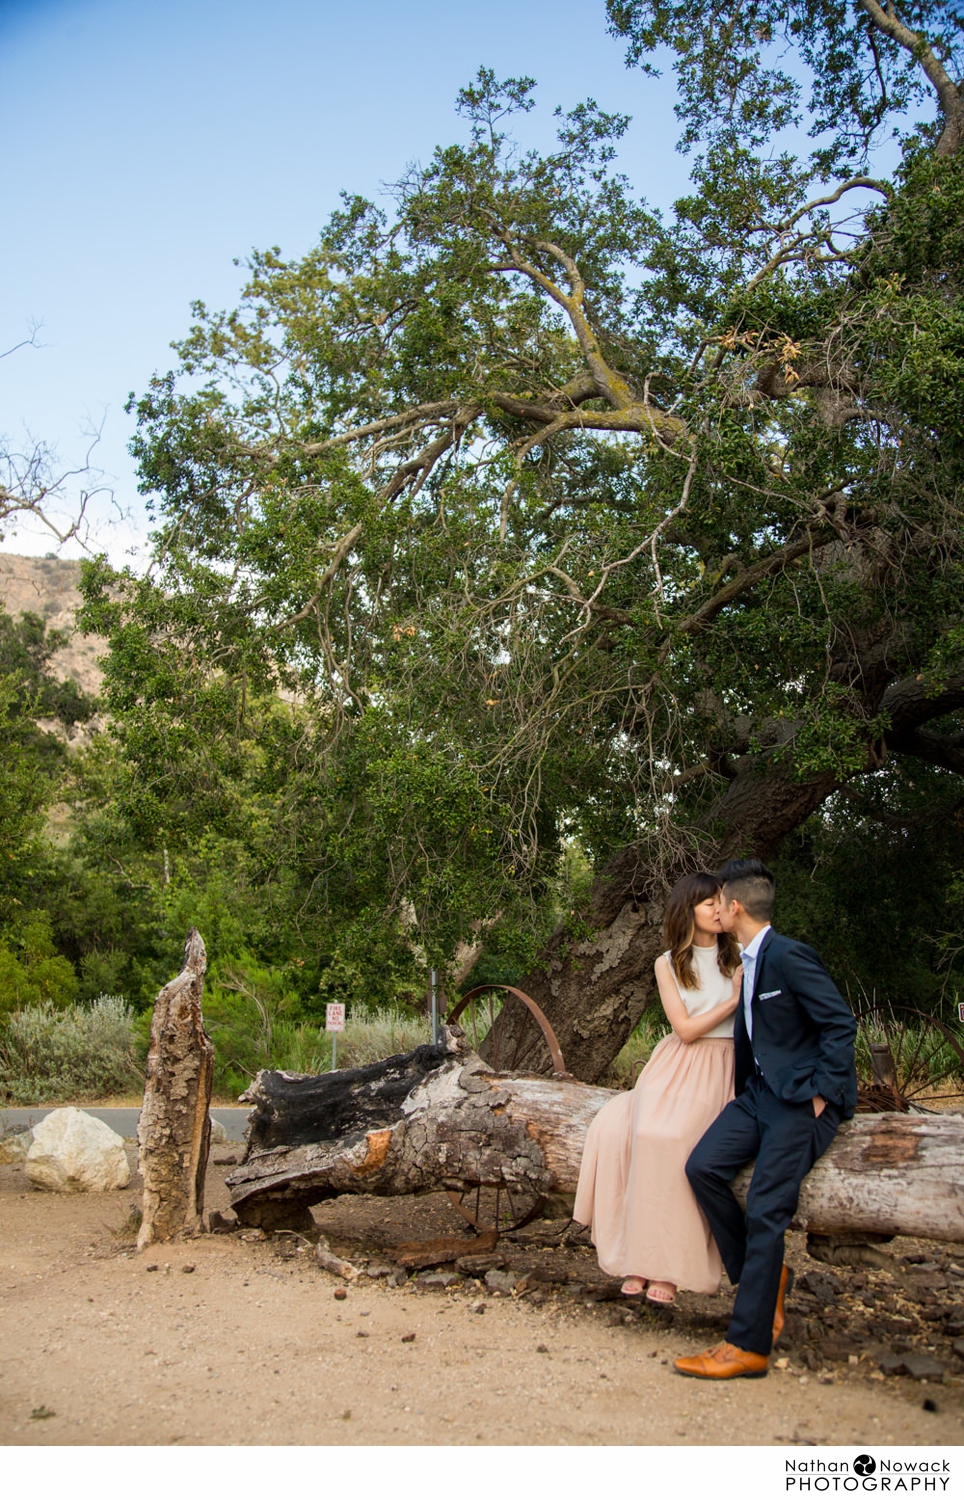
x: 692, y: 1028
x: 734, y: 999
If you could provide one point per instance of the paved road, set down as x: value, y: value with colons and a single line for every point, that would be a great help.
x: 124, y: 1121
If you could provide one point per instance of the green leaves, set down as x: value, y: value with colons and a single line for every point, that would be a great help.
x: 515, y: 518
x: 743, y: 70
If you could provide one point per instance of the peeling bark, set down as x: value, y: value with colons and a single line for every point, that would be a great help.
x: 440, y: 1118
x: 594, y: 991
x: 174, y: 1131
x: 434, y: 1118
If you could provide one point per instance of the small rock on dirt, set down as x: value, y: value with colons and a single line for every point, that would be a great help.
x: 923, y: 1367
x: 933, y: 1281
x: 500, y: 1281
x: 822, y: 1285
x: 14, y: 1144
x: 219, y: 1135
x: 609, y: 1292
x: 437, y: 1278
x: 835, y: 1349
x: 477, y: 1265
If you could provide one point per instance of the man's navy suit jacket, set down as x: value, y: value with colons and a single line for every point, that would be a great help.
x: 803, y: 1028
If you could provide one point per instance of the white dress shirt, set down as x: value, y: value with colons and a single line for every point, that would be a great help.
x: 749, y: 957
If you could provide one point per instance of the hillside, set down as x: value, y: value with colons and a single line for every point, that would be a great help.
x: 49, y: 586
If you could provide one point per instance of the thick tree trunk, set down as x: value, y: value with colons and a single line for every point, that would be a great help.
x: 174, y: 1131
x: 594, y: 990
x: 439, y: 1118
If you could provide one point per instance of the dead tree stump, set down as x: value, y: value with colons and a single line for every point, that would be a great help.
x: 174, y: 1131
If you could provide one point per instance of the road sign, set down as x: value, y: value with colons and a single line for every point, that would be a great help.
x: 334, y: 1018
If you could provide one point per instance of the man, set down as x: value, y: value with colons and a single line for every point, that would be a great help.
x: 795, y: 1081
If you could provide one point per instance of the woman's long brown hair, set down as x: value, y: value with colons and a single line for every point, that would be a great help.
x: 679, y: 926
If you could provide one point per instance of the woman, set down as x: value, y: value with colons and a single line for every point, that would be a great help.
x: 646, y: 1224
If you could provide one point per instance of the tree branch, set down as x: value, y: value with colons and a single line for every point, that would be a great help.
x: 912, y: 702
x: 952, y: 136
x: 946, y: 751
x: 749, y: 577
x: 342, y: 550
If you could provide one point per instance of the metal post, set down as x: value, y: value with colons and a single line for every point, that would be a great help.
x: 433, y: 992
x: 334, y: 1050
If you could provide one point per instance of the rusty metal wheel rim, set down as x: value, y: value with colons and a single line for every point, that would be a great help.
x: 496, y: 1027
x: 915, y: 1039
x: 488, y: 1206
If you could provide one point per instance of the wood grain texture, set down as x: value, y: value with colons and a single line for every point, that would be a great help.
x: 440, y: 1118
x: 174, y: 1130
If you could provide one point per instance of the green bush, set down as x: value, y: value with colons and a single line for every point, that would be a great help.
x: 258, y: 1026
x: 38, y: 974
x: 55, y: 1056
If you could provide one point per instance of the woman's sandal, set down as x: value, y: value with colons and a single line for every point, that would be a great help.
x: 659, y: 1287
x: 633, y: 1286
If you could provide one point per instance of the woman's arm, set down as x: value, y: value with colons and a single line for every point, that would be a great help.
x: 690, y: 1028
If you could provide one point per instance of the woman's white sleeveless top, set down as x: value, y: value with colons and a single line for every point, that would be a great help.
x: 714, y: 987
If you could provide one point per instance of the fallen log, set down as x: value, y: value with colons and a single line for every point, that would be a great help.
x: 439, y: 1117
x: 174, y: 1129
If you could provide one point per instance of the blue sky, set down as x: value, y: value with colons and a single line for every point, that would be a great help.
x: 146, y: 146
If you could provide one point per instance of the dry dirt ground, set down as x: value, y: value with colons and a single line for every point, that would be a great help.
x: 233, y: 1339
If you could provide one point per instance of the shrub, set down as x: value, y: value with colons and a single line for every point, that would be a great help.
x: 38, y: 975
x: 250, y: 1033
x: 55, y: 1056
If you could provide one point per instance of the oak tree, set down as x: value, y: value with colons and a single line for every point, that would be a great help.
x: 553, y: 518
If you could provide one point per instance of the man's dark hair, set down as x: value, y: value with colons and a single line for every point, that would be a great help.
x: 752, y: 884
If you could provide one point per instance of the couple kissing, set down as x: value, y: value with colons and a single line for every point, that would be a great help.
x: 759, y: 1065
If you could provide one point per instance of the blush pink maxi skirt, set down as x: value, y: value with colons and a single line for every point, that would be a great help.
x: 632, y: 1190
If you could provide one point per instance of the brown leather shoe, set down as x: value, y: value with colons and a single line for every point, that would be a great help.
x: 724, y: 1363
x: 779, y: 1315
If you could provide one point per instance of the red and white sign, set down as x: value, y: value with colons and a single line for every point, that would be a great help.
x: 334, y: 1018
x: 960, y: 1011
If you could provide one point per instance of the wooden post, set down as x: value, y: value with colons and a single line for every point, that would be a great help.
x: 174, y: 1131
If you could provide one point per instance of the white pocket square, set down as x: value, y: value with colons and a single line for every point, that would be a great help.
x: 769, y: 994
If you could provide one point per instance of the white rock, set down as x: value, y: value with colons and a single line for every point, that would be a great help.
x: 73, y: 1152
x: 219, y: 1136
x: 14, y: 1145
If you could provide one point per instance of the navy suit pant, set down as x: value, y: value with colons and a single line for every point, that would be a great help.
x: 786, y: 1139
